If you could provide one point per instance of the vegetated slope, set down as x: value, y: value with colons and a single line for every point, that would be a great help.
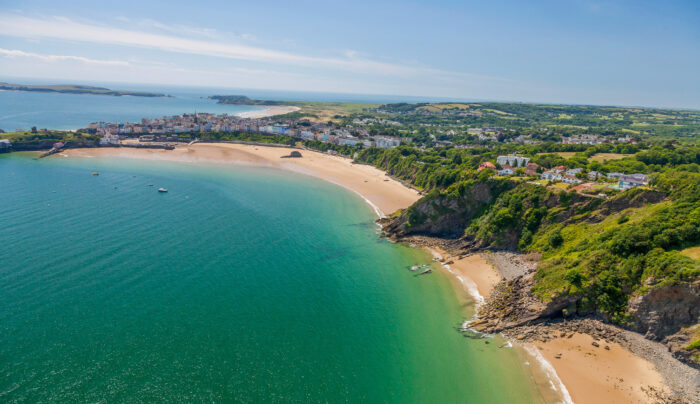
x: 616, y: 257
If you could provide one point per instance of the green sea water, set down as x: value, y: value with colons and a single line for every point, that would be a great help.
x: 239, y: 284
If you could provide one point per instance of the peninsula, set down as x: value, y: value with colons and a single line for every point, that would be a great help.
x: 76, y: 89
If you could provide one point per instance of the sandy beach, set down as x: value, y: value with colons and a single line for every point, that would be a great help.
x: 590, y: 374
x: 269, y: 111
x: 601, y: 375
x: 384, y: 194
x: 476, y: 275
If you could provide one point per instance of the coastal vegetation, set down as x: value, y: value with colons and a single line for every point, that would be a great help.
x: 543, y: 121
x: 44, y: 139
x: 601, y: 256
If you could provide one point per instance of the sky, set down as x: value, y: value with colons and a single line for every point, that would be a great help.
x: 636, y: 52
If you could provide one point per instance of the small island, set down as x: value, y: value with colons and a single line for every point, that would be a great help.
x: 76, y: 89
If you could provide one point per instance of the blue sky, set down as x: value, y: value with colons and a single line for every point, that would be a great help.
x: 566, y: 51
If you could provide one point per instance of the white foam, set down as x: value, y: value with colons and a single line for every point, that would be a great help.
x: 377, y: 211
x: 468, y: 284
x: 554, y: 381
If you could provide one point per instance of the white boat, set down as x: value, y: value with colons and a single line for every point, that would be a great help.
x: 162, y: 190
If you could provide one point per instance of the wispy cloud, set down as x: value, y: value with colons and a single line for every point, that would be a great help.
x: 52, y: 58
x: 66, y: 29
x: 179, y: 29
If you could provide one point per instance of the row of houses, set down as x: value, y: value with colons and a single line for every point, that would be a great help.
x: 570, y: 176
x: 595, y: 139
x: 509, y: 164
x: 168, y: 129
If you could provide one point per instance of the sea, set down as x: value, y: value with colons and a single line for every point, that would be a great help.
x: 23, y: 110
x: 240, y: 284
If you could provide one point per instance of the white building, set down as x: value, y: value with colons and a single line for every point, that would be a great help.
x: 551, y: 176
x: 632, y: 180
x: 109, y: 139
x: 512, y: 160
x: 570, y: 179
x: 593, y: 175
x: 506, y: 171
x: 387, y: 142
x: 574, y: 171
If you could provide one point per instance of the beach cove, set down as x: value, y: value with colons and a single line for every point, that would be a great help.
x: 474, y: 276
x: 211, y: 286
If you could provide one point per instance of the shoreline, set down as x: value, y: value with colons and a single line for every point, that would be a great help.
x: 477, y: 274
x: 267, y: 111
x: 382, y: 193
x: 582, y: 360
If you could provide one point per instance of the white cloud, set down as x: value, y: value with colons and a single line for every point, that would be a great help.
x: 66, y: 29
x: 12, y: 53
x: 179, y: 29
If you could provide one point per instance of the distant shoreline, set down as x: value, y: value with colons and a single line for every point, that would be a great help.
x: 76, y: 89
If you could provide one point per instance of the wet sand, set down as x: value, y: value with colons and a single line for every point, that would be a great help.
x: 383, y: 193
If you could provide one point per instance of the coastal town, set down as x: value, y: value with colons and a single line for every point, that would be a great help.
x: 333, y: 201
x: 361, y: 132
x: 187, y: 126
x: 544, y: 190
x: 169, y: 130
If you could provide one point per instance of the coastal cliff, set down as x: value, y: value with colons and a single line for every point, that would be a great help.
x: 613, y: 259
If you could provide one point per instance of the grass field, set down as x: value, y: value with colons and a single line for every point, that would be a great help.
x: 600, y: 157
x: 566, y: 155
x: 440, y: 107
x: 692, y: 252
x: 326, y: 111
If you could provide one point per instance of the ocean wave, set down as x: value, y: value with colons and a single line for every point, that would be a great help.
x: 554, y: 380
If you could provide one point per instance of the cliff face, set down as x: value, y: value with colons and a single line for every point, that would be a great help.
x: 665, y: 309
x: 444, y: 216
x: 501, y: 215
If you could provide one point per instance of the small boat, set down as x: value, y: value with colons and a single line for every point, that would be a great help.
x: 162, y: 190
x: 427, y: 271
x: 150, y: 185
x: 95, y: 173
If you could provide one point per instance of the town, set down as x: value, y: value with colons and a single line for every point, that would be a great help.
x: 183, y: 127
x: 356, y: 133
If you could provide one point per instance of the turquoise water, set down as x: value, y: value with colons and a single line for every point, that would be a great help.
x: 22, y: 110
x: 239, y: 284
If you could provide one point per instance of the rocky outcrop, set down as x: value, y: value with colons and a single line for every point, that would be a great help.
x: 665, y: 309
x: 444, y: 216
x: 512, y: 304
